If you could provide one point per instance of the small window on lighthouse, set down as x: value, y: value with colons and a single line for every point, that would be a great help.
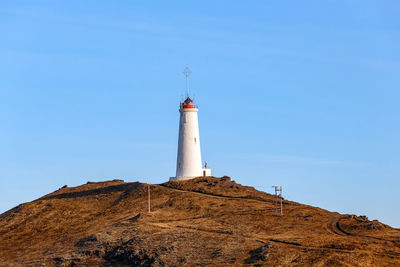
x: 185, y: 118
x: 195, y: 140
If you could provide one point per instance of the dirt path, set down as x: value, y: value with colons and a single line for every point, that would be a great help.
x: 223, y: 196
x: 334, y: 227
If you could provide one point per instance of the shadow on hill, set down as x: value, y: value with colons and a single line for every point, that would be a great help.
x: 126, y: 188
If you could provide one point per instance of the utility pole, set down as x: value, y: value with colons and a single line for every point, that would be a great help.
x: 278, y: 189
x: 148, y: 190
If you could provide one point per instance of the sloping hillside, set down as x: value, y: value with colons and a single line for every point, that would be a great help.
x: 205, y: 221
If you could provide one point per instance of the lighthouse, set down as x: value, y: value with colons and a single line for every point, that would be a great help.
x: 188, y: 163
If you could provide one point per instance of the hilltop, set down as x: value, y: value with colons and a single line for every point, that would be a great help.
x: 204, y: 221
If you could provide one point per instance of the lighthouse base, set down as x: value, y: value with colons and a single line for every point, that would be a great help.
x: 182, y: 178
x: 206, y: 172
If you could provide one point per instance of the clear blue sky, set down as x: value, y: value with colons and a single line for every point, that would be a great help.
x: 303, y: 94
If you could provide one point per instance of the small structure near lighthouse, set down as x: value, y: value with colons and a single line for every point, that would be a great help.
x: 189, y: 164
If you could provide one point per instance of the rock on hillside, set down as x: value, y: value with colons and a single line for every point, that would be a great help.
x: 204, y: 221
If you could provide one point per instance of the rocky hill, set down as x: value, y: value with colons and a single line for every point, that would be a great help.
x: 205, y: 221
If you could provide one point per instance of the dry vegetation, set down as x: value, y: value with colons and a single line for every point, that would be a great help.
x: 205, y: 221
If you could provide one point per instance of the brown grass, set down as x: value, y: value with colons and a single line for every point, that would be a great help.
x: 204, y: 221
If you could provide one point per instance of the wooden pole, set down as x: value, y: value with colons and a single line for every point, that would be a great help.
x: 281, y: 201
x: 148, y: 190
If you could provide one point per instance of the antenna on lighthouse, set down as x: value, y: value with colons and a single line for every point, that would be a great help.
x: 187, y: 72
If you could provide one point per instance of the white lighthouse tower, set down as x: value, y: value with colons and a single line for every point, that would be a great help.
x: 189, y: 164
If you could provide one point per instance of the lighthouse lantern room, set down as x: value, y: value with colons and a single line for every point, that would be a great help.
x: 189, y: 164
